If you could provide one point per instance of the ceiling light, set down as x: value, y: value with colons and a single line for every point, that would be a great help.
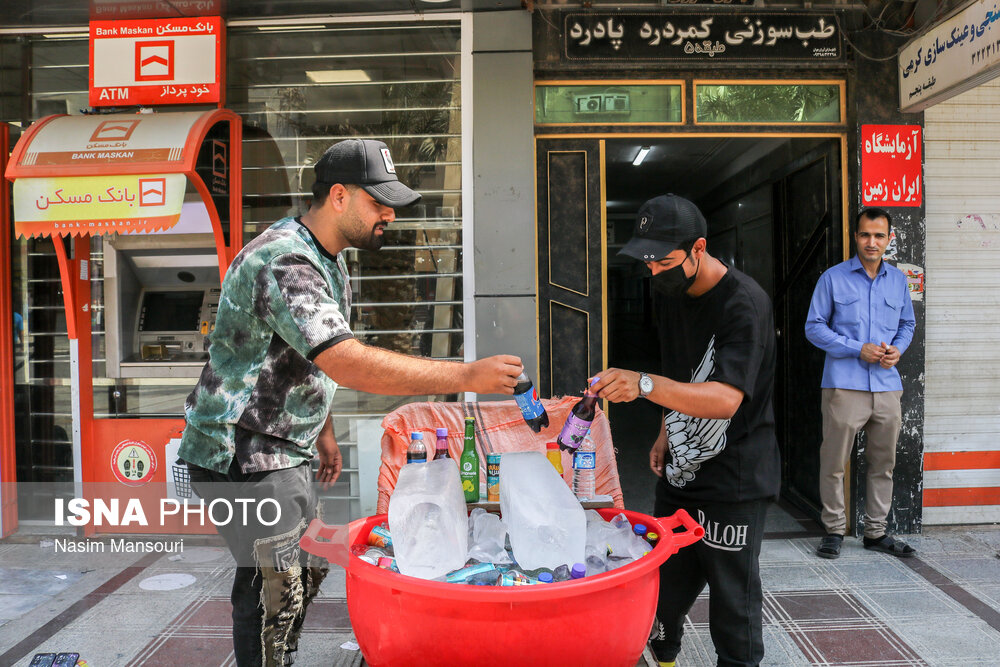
x: 266, y: 28
x: 640, y: 156
x: 337, y: 75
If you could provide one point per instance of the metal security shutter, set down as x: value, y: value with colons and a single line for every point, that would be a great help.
x: 962, y: 396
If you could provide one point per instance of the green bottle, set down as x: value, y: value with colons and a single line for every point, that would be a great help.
x: 469, y: 463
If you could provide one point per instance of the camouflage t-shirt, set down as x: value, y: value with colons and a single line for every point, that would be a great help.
x: 285, y: 299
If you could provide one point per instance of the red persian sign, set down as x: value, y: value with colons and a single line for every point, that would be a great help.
x: 156, y: 61
x: 891, y: 165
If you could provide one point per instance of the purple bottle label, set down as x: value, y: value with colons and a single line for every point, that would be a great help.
x: 530, y: 406
x: 574, y: 431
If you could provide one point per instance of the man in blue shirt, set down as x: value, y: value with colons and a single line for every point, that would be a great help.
x: 862, y: 317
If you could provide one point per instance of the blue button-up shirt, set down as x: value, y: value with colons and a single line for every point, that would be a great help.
x: 849, y: 309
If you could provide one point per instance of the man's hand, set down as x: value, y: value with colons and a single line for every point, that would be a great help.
x: 617, y: 385
x: 658, y: 455
x: 494, y: 375
x: 872, y: 353
x: 330, y: 460
x: 891, y: 356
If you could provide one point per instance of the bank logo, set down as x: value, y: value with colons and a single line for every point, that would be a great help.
x: 152, y: 191
x: 154, y: 61
x: 114, y: 130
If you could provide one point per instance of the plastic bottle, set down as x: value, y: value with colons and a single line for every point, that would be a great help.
x: 469, y: 463
x: 561, y: 573
x: 652, y: 538
x: 579, y: 571
x: 640, y: 530
x: 552, y: 453
x: 585, y: 470
x: 595, y: 565
x: 441, y: 448
x: 578, y: 423
x: 531, y: 407
x: 545, y: 577
x: 417, y: 451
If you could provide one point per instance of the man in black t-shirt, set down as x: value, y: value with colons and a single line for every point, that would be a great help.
x: 716, y: 453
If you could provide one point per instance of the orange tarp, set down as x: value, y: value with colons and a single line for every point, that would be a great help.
x: 499, y: 428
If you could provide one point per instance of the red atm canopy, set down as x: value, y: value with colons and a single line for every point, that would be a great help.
x: 118, y: 173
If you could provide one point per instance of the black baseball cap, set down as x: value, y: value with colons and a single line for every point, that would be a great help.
x: 662, y: 224
x: 368, y: 164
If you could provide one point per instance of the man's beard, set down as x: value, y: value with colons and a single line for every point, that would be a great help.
x: 364, y: 239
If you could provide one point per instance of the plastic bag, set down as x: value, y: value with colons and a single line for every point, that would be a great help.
x: 487, y: 537
x: 427, y: 519
x: 546, y: 522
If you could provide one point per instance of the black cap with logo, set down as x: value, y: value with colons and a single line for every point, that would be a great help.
x: 368, y: 164
x: 662, y: 224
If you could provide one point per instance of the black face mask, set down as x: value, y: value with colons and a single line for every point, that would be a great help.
x: 673, y: 281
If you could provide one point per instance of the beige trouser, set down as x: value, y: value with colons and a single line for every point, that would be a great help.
x: 845, y: 412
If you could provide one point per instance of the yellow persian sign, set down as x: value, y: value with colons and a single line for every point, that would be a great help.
x: 115, y: 204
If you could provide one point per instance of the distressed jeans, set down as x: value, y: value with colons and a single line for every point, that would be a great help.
x: 275, y: 581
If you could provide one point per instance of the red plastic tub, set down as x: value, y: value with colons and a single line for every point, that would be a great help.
x: 603, y: 620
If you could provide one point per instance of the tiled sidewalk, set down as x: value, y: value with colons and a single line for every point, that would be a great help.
x: 940, y: 609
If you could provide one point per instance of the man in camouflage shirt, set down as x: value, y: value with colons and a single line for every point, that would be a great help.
x: 281, y: 346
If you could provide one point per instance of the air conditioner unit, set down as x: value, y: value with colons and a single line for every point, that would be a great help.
x: 587, y: 103
x: 615, y: 103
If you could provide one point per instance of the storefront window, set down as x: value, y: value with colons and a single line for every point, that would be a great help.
x: 608, y: 103
x: 769, y: 103
x: 298, y: 91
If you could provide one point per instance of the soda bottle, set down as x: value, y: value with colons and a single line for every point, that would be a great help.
x: 417, y: 451
x: 579, y: 571
x: 578, y: 423
x: 441, y: 449
x: 469, y: 463
x: 552, y: 454
x: 531, y: 408
x: 585, y: 469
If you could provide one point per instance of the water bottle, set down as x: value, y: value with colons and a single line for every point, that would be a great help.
x: 441, y: 449
x: 417, y: 451
x: 531, y: 408
x: 585, y: 470
x: 578, y: 423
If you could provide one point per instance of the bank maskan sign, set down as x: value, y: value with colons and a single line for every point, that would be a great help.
x: 702, y: 37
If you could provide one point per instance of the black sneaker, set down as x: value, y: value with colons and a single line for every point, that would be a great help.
x: 658, y: 645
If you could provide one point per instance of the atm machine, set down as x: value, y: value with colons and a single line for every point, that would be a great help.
x: 164, y: 192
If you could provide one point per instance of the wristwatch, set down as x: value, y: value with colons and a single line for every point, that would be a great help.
x: 645, y: 385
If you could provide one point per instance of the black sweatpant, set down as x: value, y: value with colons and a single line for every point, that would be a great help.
x: 727, y: 560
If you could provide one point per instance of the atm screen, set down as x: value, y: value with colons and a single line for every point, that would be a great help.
x: 171, y: 311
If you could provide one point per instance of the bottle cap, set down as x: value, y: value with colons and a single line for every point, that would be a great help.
x: 551, y: 445
x: 416, y: 436
x: 652, y: 537
x: 442, y: 433
x: 579, y: 571
x: 545, y: 577
x: 639, y: 529
x: 597, y: 378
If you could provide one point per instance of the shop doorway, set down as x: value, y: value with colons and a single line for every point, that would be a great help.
x: 774, y: 206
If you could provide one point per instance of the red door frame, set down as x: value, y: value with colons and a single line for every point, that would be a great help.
x: 8, y: 470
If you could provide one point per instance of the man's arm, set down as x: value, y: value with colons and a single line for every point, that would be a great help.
x: 818, y: 329
x: 353, y: 364
x: 331, y: 461
x: 907, y: 323
x: 703, y: 400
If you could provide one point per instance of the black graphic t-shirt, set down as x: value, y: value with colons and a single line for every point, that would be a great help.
x: 725, y: 335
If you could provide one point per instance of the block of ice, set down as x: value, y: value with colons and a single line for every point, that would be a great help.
x: 427, y: 519
x: 488, y: 534
x: 545, y: 521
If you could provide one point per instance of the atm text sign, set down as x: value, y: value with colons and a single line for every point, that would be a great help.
x: 156, y: 61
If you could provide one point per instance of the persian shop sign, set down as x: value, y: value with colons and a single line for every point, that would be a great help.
x: 950, y: 58
x: 687, y: 37
x: 95, y: 205
x: 156, y: 61
x: 891, y: 165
